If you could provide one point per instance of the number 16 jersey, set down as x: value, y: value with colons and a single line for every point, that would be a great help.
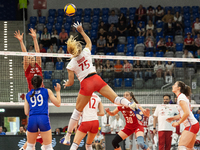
x: 82, y: 64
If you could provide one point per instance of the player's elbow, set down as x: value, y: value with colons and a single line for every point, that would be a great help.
x: 26, y: 113
x: 101, y: 114
x: 58, y: 105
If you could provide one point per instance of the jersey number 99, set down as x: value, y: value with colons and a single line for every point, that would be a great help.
x: 37, y: 100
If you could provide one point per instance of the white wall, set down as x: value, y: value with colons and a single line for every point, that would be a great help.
x: 57, y: 4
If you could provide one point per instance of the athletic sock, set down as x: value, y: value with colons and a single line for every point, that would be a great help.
x: 74, y: 146
x: 48, y: 147
x: 29, y: 146
x: 88, y: 146
x: 121, y: 101
x: 73, y: 121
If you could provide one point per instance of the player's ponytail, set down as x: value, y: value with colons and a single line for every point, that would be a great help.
x: 36, y: 82
x: 133, y: 97
x: 74, y: 47
x: 185, y: 89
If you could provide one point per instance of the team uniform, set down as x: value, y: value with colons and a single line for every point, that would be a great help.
x: 38, y: 114
x: 90, y: 122
x: 82, y: 66
x: 133, y: 125
x: 31, y: 72
x: 145, y: 124
x: 150, y: 123
x: 191, y: 124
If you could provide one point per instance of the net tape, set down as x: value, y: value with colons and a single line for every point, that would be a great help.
x: 8, y: 53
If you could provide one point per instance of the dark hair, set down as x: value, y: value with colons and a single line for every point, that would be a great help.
x: 185, y: 89
x: 36, y: 81
x: 167, y: 95
x: 133, y: 97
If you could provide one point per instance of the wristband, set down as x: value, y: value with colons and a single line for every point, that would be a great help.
x: 154, y: 128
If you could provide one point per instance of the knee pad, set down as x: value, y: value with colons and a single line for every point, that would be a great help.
x: 48, y: 147
x: 140, y: 141
x: 131, y: 142
x: 88, y: 146
x: 116, y: 141
x: 76, y: 115
x: 182, y: 148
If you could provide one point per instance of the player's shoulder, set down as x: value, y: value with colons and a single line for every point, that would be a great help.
x: 86, y: 50
x: 182, y: 97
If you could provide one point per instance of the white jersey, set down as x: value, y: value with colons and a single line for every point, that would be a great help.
x: 150, y: 122
x: 191, y: 120
x: 90, y: 110
x: 82, y: 64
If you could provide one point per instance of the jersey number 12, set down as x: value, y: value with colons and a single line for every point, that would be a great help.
x: 84, y: 65
x: 92, y: 103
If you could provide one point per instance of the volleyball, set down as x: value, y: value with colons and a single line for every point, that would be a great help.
x: 70, y: 9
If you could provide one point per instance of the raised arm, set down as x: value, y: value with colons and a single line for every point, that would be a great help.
x: 79, y: 28
x: 55, y: 100
x: 70, y: 81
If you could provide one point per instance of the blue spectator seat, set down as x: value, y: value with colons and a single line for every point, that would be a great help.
x: 123, y: 10
x: 159, y: 54
x: 86, y: 19
x: 47, y: 74
x: 52, y: 12
x: 69, y: 19
x: 59, y: 65
x: 179, y: 47
x: 42, y: 19
x: 130, y: 39
x: 110, y: 53
x: 169, y: 36
x: 143, y: 24
x: 77, y: 18
x: 60, y: 19
x: 105, y: 11
x: 177, y: 9
x: 187, y: 30
x: 31, y: 26
x: 186, y: 9
x: 149, y: 54
x: 118, y: 82
x: 93, y: 34
x: 132, y: 10
x: 191, y: 52
x: 130, y: 47
x: 61, y: 12
x: 87, y: 11
x: 64, y: 47
x: 196, y: 116
x: 49, y: 27
x: 195, y: 9
x: 95, y: 18
x: 120, y: 47
x: 67, y: 26
x: 105, y: 19
x: 158, y: 38
x: 159, y: 24
x: 93, y: 51
x: 79, y: 12
x: 187, y: 23
x: 128, y: 82
x: 131, y: 17
x: 55, y: 81
x: 195, y: 15
x: 33, y: 20
x: 94, y: 26
x: 187, y: 16
x: 58, y: 27
x: 168, y: 8
x: 51, y: 20
x: 140, y: 39
x: 96, y: 11
x: 129, y: 53
x: 179, y: 64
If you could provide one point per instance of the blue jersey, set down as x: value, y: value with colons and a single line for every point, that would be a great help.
x: 39, y: 102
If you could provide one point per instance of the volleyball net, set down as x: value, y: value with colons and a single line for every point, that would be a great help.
x: 147, y: 77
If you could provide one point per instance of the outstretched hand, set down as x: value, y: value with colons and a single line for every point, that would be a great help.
x: 18, y: 36
x: 78, y: 27
x: 107, y: 109
x: 33, y: 33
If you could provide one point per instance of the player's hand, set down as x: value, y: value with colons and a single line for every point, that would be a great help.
x: 154, y: 131
x: 66, y: 83
x: 33, y: 33
x: 18, y: 36
x: 147, y: 112
x: 107, y: 109
x: 169, y: 119
x: 175, y: 124
x: 78, y: 27
x: 57, y: 87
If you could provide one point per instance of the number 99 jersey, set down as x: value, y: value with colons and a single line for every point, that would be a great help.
x: 39, y: 102
x: 82, y: 64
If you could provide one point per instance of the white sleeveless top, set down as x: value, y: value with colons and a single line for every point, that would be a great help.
x: 82, y: 64
x: 91, y: 109
x: 191, y: 120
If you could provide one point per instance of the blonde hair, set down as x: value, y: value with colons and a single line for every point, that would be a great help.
x: 74, y: 47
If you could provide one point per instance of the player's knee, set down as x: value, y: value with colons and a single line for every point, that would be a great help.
x: 48, y: 147
x: 88, y: 146
x: 116, y: 141
x: 131, y: 142
x: 76, y: 114
x: 140, y: 141
x: 182, y: 148
x: 30, y: 146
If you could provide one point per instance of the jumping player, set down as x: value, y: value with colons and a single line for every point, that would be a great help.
x: 90, y: 123
x: 186, y: 116
x: 133, y: 125
x: 81, y: 65
x: 36, y: 107
x: 32, y: 65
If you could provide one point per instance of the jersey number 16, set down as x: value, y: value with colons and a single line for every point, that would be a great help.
x: 84, y: 65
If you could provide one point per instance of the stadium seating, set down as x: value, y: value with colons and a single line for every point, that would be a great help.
x: 128, y: 82
x: 177, y: 9
x: 58, y: 27
x: 49, y: 66
x: 33, y: 20
x: 120, y: 47
x: 59, y: 65
x: 130, y: 39
x: 54, y: 81
x: 118, y: 82
x: 61, y: 12
x: 87, y: 11
x: 105, y: 11
x: 42, y: 19
x: 79, y: 12
x: 51, y: 20
x: 47, y: 74
x: 186, y: 9
x: 47, y: 83
x: 159, y: 82
x: 132, y: 10
x: 96, y: 11
x: 52, y: 12
x: 149, y: 84
x: 130, y: 47
x: 138, y: 83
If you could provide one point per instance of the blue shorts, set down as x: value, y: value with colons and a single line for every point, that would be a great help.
x: 36, y: 122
